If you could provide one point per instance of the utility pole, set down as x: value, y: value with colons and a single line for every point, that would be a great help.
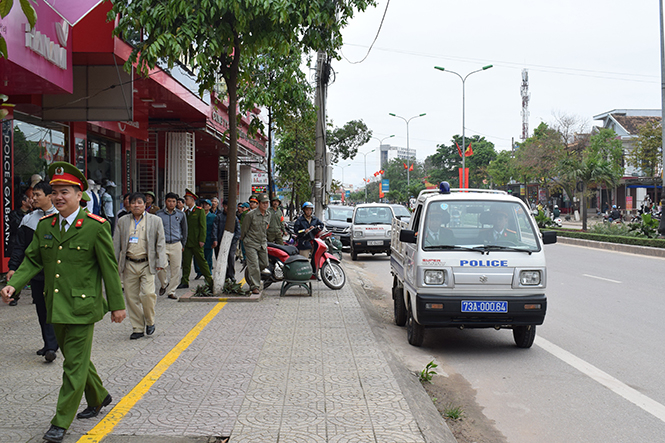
x: 320, y: 158
x: 662, y: 80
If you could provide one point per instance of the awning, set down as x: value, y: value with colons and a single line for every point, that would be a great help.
x: 73, y: 11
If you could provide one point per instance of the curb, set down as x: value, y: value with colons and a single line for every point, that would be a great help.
x: 189, y: 297
x: 617, y: 247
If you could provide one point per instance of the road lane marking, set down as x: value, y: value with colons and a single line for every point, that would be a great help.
x: 105, y: 427
x: 632, y: 395
x: 601, y: 278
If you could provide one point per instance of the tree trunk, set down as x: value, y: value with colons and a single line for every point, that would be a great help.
x: 231, y: 78
x: 271, y: 182
x: 584, y: 206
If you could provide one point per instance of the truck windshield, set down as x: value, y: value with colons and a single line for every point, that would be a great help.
x: 471, y: 224
x: 373, y: 216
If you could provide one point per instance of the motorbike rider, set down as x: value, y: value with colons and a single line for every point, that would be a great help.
x: 615, y: 214
x: 556, y: 212
x: 306, y: 222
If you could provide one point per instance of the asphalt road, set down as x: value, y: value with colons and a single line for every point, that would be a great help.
x: 595, y: 371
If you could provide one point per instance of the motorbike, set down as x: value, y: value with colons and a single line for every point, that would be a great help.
x: 333, y: 244
x: 323, y: 262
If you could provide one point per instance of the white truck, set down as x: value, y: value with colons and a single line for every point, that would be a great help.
x: 469, y: 258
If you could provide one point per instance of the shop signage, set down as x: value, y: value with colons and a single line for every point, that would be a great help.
x: 7, y: 188
x: 259, y: 178
x: 44, y: 51
x: 42, y: 45
x: 128, y: 170
x: 135, y: 129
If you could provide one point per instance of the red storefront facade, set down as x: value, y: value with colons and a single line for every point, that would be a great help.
x: 128, y: 133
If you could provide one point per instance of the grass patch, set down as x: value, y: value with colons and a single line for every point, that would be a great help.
x: 453, y: 412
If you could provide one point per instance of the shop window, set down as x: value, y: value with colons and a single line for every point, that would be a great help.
x: 105, y: 169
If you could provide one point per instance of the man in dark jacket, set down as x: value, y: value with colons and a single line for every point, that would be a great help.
x: 41, y: 202
x: 15, y: 219
x: 218, y: 231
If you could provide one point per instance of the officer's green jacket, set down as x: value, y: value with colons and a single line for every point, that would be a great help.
x: 74, y: 267
x: 276, y: 221
x: 254, y: 229
x: 196, y: 227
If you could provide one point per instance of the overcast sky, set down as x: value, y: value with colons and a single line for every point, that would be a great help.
x: 584, y: 58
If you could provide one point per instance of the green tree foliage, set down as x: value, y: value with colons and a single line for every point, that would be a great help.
x: 646, y: 154
x: 501, y: 169
x: 27, y: 159
x: 343, y: 142
x: 295, y: 147
x: 445, y: 164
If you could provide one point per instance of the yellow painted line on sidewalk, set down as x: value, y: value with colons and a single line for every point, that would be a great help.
x: 116, y: 414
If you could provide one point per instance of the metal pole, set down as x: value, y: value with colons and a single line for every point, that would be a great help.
x: 365, y: 155
x: 464, y: 132
x: 407, y: 156
x: 662, y: 79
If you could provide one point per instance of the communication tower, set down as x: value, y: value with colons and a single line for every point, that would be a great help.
x: 524, y: 90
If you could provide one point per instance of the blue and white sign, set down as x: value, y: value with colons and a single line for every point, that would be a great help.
x: 385, y: 185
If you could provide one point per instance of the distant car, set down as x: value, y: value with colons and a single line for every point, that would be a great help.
x: 335, y: 218
x: 401, y: 212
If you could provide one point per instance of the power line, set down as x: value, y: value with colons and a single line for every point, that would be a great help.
x: 541, y: 68
x: 375, y: 38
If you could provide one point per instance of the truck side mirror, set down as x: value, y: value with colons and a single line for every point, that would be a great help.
x: 349, y: 220
x: 407, y: 236
x: 549, y: 237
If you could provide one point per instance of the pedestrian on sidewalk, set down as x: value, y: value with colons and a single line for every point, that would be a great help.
x: 253, y: 234
x: 175, y: 234
x: 276, y: 229
x: 196, y: 237
x: 75, y: 250
x: 41, y: 202
x: 207, y: 246
x: 218, y: 232
x: 15, y: 219
x: 151, y: 203
x: 140, y: 250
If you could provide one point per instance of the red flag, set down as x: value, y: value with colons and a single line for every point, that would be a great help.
x: 459, y: 150
x: 381, y: 194
x: 411, y: 167
x: 468, y: 152
x: 382, y: 172
x: 406, y: 167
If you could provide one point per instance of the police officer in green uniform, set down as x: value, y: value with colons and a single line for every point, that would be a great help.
x: 196, y: 237
x: 253, y: 234
x: 276, y: 229
x: 75, y: 250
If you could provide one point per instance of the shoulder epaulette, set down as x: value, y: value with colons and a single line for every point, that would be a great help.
x: 47, y: 216
x: 96, y: 217
x: 512, y: 232
x: 199, y: 207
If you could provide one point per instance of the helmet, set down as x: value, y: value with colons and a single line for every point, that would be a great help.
x: 614, y: 206
x: 556, y: 206
x: 307, y: 205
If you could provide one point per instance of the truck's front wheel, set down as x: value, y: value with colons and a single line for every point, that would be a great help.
x: 400, y: 308
x: 415, y: 333
x: 524, y: 335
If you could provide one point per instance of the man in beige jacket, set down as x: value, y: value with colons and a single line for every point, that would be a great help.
x: 140, y: 249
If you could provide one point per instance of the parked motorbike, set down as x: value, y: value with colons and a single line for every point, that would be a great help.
x: 333, y: 244
x: 323, y: 262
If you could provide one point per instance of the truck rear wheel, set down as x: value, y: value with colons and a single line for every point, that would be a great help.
x: 415, y: 333
x: 400, y: 308
x: 524, y: 335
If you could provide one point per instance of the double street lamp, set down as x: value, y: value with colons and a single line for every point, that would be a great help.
x: 484, y: 68
x: 339, y: 166
x: 408, y: 151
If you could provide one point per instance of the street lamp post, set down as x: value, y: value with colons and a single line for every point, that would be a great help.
x: 484, y: 68
x: 365, y: 154
x: 380, y: 144
x: 339, y: 166
x: 408, y: 152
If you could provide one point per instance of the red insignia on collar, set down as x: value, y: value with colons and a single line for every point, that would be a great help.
x: 53, y: 222
x: 96, y: 217
x: 79, y: 222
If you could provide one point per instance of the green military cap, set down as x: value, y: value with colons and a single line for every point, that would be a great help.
x: 85, y: 197
x: 154, y: 197
x: 190, y: 193
x: 63, y: 173
x: 263, y: 198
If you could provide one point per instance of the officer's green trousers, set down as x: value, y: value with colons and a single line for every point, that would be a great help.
x: 79, y: 374
x: 197, y: 253
x: 257, y: 260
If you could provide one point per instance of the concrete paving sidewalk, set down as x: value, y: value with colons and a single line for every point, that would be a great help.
x: 285, y: 369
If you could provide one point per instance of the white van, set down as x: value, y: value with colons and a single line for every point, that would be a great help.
x: 469, y: 259
x: 371, y: 224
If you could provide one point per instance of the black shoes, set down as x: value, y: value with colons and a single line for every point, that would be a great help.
x: 55, y: 434
x: 150, y: 330
x: 162, y: 291
x: 93, y: 411
x: 183, y: 286
x: 49, y: 356
x: 198, y: 276
x: 136, y: 335
x: 13, y: 303
x: 42, y: 351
